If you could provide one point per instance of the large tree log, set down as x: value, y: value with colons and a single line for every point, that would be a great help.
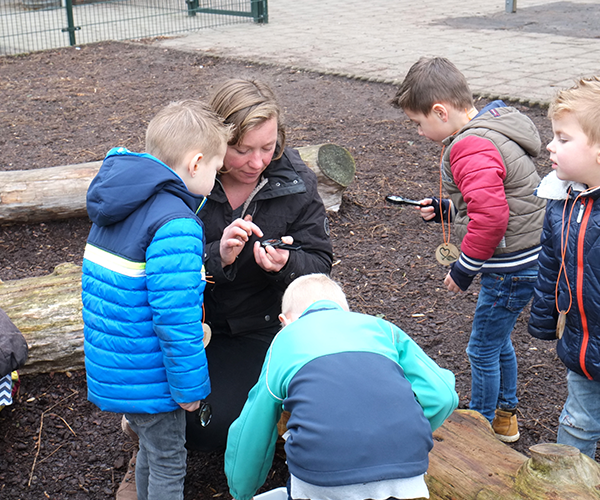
x: 47, y: 310
x: 469, y: 463
x: 59, y: 192
x: 466, y: 463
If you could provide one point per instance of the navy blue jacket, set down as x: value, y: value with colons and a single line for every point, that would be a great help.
x: 578, y: 288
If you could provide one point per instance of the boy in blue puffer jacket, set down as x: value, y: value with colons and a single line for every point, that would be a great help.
x: 566, y: 301
x: 363, y: 400
x: 143, y: 283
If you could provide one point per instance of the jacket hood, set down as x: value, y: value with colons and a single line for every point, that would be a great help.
x: 126, y: 181
x: 510, y: 122
x: 553, y: 188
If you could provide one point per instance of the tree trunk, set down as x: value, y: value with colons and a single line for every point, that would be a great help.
x: 60, y: 192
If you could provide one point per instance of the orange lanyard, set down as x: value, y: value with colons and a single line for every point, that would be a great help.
x: 446, y: 241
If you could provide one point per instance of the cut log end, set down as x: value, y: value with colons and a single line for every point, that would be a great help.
x: 337, y: 164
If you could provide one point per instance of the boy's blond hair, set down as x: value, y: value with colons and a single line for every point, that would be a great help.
x: 307, y: 289
x: 183, y: 127
x: 247, y: 104
x: 583, y: 100
x: 430, y: 81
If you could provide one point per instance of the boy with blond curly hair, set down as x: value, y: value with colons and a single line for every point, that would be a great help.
x: 566, y: 303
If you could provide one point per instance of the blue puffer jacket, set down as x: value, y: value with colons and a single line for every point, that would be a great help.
x: 578, y: 288
x: 142, y: 288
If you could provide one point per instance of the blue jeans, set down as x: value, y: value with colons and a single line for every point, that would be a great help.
x: 490, y: 350
x: 161, y: 460
x: 579, y: 422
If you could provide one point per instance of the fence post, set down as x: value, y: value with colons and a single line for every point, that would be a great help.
x: 192, y: 6
x: 70, y: 22
x: 260, y: 11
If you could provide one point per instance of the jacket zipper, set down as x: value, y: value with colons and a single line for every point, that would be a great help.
x: 580, y: 242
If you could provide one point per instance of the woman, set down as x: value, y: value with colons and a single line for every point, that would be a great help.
x: 264, y: 191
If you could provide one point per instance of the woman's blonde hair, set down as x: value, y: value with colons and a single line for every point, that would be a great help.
x: 183, y: 127
x: 307, y: 289
x: 583, y: 100
x: 247, y: 104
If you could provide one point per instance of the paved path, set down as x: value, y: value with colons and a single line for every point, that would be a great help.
x: 380, y: 39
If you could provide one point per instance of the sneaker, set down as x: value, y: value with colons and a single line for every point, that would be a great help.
x: 127, y: 490
x: 505, y: 426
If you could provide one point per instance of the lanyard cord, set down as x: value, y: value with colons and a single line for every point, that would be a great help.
x: 564, y: 240
x: 440, y: 201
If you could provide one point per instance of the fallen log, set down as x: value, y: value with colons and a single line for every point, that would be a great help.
x: 59, y: 192
x: 47, y: 310
x: 467, y: 461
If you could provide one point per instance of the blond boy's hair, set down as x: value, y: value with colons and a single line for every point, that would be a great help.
x: 583, y: 100
x: 307, y: 289
x: 183, y: 127
x: 247, y: 104
x: 430, y: 81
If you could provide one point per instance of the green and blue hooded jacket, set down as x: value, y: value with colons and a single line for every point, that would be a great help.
x: 363, y: 397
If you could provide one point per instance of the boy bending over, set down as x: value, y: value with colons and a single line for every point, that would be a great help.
x: 566, y: 303
x: 143, y: 283
x: 363, y: 398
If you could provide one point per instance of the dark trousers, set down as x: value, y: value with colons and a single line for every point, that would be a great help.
x: 234, y: 365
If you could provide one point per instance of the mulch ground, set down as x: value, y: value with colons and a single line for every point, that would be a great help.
x: 72, y: 105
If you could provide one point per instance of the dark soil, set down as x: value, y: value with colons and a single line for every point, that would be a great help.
x: 72, y: 105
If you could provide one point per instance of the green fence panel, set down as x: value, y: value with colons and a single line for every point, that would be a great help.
x: 32, y: 25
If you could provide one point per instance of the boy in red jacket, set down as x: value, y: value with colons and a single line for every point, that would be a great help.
x: 488, y: 171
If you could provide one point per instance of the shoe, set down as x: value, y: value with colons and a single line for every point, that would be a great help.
x: 505, y: 426
x: 127, y: 489
x: 126, y: 428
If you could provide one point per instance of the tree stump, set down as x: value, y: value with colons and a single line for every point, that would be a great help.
x: 60, y: 192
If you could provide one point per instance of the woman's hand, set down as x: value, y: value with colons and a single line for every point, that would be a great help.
x: 427, y: 212
x: 272, y: 259
x: 235, y: 236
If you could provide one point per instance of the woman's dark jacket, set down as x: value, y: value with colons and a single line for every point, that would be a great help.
x: 244, y: 299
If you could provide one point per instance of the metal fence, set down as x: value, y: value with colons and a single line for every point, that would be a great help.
x: 31, y: 25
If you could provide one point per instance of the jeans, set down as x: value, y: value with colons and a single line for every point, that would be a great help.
x: 490, y: 350
x: 161, y: 460
x: 579, y: 422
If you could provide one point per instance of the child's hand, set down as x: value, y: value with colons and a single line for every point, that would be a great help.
x: 428, y: 212
x: 235, y: 236
x: 272, y: 259
x: 451, y: 285
x: 190, y: 406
